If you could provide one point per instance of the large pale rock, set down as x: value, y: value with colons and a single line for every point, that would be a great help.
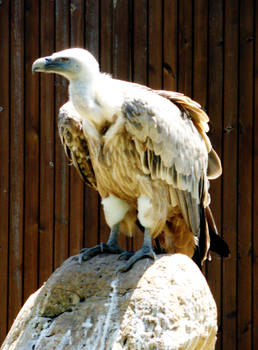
x: 161, y: 305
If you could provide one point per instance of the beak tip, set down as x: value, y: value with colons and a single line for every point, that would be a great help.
x: 38, y: 65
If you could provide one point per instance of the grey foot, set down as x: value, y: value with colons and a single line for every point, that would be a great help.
x: 88, y: 253
x: 144, y: 252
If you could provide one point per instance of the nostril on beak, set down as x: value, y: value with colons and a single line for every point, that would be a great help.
x: 48, y: 60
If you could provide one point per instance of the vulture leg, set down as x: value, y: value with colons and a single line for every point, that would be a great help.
x: 111, y: 246
x: 145, y: 251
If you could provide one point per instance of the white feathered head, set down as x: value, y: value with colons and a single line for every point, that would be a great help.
x: 72, y: 63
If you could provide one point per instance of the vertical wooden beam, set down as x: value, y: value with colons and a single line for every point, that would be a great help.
x: 255, y: 188
x: 16, y: 160
x: 170, y: 35
x: 155, y: 44
x: 215, y: 112
x: 185, y: 46
x: 106, y: 31
x: 245, y: 172
x: 47, y: 146
x: 31, y: 151
x: 140, y: 43
x: 4, y: 161
x: 230, y: 140
x: 200, y: 52
x: 61, y: 242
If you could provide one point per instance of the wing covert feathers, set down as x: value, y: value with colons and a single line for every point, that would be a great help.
x: 168, y: 144
x: 75, y: 143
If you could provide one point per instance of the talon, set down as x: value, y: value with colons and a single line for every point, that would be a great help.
x: 140, y: 254
x: 145, y: 251
x: 126, y: 255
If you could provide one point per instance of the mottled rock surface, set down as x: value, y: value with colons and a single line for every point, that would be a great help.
x: 161, y: 305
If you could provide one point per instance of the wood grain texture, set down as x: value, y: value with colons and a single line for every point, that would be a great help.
x: 4, y: 161
x: 215, y: 112
x: 155, y: 44
x: 31, y: 171
x: 185, y: 46
x: 47, y: 148
x: 170, y: 42
x: 245, y: 173
x: 230, y: 150
x: 15, y: 290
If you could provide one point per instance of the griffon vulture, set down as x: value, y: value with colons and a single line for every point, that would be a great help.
x: 147, y: 154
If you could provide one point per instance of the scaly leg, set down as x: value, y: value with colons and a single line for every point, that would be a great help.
x: 145, y: 251
x: 110, y: 247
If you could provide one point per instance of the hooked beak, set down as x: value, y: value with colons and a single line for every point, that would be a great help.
x: 43, y: 64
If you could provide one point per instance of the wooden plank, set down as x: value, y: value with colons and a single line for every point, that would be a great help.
x: 185, y: 47
x: 31, y: 204
x: 230, y: 170
x: 200, y: 52
x: 106, y: 29
x: 76, y: 219
x: 91, y: 230
x: 4, y: 161
x: 92, y: 27
x: 244, y: 282
x: 155, y: 44
x: 47, y: 147
x: 140, y: 41
x: 16, y: 160
x: 121, y: 41
x: 61, y: 169
x: 255, y: 192
x: 170, y: 36
x: 215, y: 108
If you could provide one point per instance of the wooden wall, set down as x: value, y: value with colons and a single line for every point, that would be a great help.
x: 206, y: 49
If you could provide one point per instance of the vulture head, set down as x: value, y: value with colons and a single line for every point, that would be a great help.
x: 73, y: 64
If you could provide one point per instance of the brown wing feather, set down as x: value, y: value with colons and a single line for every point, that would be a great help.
x: 75, y: 144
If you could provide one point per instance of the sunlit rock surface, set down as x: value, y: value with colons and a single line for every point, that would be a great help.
x: 162, y: 305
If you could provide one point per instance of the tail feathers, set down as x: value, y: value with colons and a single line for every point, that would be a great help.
x: 209, y: 239
x: 217, y: 244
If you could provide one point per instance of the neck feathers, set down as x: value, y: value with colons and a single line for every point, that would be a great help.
x: 96, y: 100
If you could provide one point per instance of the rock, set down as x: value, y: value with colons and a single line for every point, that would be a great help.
x: 162, y: 305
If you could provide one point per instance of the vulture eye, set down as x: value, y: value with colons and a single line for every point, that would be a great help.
x: 63, y: 59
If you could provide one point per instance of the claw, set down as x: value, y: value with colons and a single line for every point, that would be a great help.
x: 125, y: 255
x: 110, y: 247
x: 140, y: 254
x: 145, y: 251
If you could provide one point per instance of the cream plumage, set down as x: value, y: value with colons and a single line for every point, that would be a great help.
x: 145, y: 151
